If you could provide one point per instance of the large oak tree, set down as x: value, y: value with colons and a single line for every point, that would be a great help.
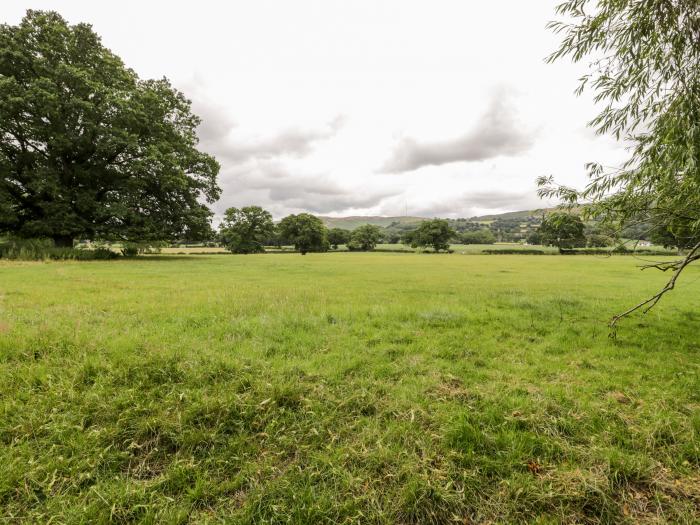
x: 89, y: 150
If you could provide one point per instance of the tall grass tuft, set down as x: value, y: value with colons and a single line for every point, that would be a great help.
x: 44, y: 249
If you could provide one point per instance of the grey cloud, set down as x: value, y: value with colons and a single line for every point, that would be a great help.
x: 277, y: 187
x: 220, y: 135
x: 216, y: 123
x: 470, y: 204
x: 217, y: 137
x: 497, y: 133
x: 496, y: 199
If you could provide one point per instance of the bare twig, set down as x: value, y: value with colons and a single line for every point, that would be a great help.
x: 678, y: 267
x: 664, y: 266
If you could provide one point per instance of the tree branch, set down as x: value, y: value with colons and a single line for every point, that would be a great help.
x: 678, y: 266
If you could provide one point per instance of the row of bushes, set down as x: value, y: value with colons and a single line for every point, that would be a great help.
x: 44, y: 249
x: 582, y: 251
x: 513, y: 251
x: 618, y: 250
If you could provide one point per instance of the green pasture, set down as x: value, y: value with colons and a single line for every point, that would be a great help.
x: 347, y: 388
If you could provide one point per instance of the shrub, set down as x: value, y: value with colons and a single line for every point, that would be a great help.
x: 129, y: 249
x: 482, y: 236
x: 44, y: 249
x: 513, y: 251
x: 26, y: 249
x: 101, y: 253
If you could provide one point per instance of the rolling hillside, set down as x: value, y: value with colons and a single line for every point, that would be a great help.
x: 524, y: 214
x: 352, y: 222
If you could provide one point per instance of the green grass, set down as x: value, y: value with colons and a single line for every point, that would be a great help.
x: 347, y: 388
x: 472, y: 249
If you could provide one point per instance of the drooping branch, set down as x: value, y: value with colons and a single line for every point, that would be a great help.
x: 678, y: 267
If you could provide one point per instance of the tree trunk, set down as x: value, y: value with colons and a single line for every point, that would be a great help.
x: 63, y: 241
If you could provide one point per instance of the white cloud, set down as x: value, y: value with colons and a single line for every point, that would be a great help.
x: 293, y: 142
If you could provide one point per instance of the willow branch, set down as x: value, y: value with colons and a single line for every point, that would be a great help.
x: 679, y: 266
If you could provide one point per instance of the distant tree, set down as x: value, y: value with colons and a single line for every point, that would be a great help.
x: 89, y: 150
x: 534, y: 238
x: 598, y: 240
x: 365, y: 237
x: 246, y: 230
x: 435, y: 233
x: 662, y: 236
x: 274, y: 238
x: 338, y: 236
x: 391, y: 236
x: 482, y: 236
x: 407, y: 238
x: 305, y: 231
x: 563, y: 230
x: 671, y: 233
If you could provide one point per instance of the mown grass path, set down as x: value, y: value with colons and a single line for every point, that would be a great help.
x: 338, y: 388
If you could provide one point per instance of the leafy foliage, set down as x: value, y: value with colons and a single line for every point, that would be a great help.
x: 130, y: 249
x: 481, y: 236
x: 44, y: 249
x: 435, y: 233
x: 534, y: 237
x: 305, y: 231
x: 673, y: 233
x: 563, y: 230
x: 89, y: 150
x: 598, y: 240
x: 246, y: 230
x: 338, y: 236
x: 365, y: 237
x: 645, y: 68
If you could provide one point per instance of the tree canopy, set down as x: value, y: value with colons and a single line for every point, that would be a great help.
x: 645, y: 69
x: 563, y: 230
x: 305, y: 231
x: 435, y: 233
x: 673, y: 232
x: 481, y: 236
x: 89, y: 150
x: 365, y: 237
x: 246, y: 230
x: 338, y: 236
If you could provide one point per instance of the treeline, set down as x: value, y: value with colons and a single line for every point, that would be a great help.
x: 250, y: 229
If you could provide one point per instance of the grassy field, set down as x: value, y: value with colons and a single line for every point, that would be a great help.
x: 347, y: 388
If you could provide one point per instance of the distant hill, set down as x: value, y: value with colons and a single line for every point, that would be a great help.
x: 524, y: 214
x: 350, y: 223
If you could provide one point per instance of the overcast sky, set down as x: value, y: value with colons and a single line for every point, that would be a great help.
x: 363, y: 107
